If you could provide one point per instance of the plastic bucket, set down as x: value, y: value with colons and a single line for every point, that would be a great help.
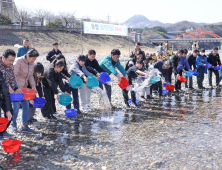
x: 195, y: 73
x: 189, y: 73
x: 39, y: 102
x: 15, y: 97
x: 76, y: 82
x: 29, y: 93
x: 70, y: 112
x: 65, y: 100
x: 104, y: 78
x: 208, y: 66
x: 123, y: 84
x: 170, y: 87
x: 11, y: 146
x: 130, y: 101
x: 182, y: 79
x: 164, y: 91
x: 217, y: 68
x: 154, y: 80
x: 92, y: 82
x: 3, y: 123
x: 165, y: 84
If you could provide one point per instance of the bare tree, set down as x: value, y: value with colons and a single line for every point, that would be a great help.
x: 50, y: 17
x: 41, y: 14
x: 22, y: 14
x: 68, y: 18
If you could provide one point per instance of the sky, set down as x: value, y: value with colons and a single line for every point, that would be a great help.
x: 166, y: 11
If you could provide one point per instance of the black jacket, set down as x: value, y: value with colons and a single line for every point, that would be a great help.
x: 165, y: 72
x: 175, y: 60
x: 51, y: 80
x: 133, y: 55
x: 52, y: 54
x: 93, y: 64
x: 214, y: 60
x: 4, y: 93
x: 192, y: 61
x: 130, y: 63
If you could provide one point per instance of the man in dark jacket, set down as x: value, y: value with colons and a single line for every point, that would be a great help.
x: 52, y: 54
x: 214, y: 59
x: 136, y: 51
x: 5, y: 104
x: 163, y: 68
x: 192, y: 63
x: 175, y: 60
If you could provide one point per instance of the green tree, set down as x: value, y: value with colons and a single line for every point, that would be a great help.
x: 56, y: 23
x: 5, y: 20
x: 159, y: 29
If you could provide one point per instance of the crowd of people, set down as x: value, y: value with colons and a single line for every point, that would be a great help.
x: 21, y: 71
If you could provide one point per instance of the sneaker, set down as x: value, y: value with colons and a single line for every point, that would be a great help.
x: 84, y: 108
x: 48, y: 117
x: 136, y: 105
x: 56, y: 113
x: 142, y: 97
x: 148, y: 97
x: 34, y: 120
x: 191, y: 88
x: 89, y: 106
x: 7, y: 135
x: 14, y: 126
x: 176, y: 90
x: 53, y: 117
x: 127, y: 106
x: 79, y: 112
x: 27, y: 129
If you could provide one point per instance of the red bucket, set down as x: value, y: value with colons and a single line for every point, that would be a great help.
x: 170, y: 87
x: 11, y: 146
x: 123, y: 84
x: 182, y: 79
x: 3, y: 123
x: 29, y: 93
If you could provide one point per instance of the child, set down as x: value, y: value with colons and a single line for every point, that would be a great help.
x: 78, y: 68
x: 148, y: 66
x: 51, y: 79
x: 38, y: 76
x: 133, y: 73
x: 201, y: 62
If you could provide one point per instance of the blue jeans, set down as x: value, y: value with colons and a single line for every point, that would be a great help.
x: 25, y: 110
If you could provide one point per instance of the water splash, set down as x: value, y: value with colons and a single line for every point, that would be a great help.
x: 103, y: 101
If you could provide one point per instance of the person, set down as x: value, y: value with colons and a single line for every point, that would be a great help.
x: 38, y: 76
x: 146, y: 90
x: 133, y: 73
x: 7, y: 71
x: 78, y: 68
x: 131, y: 62
x: 160, y: 56
x: 24, y: 69
x: 177, y: 72
x: 154, y: 57
x: 136, y: 51
x: 220, y: 75
x: 147, y: 55
x: 201, y: 62
x: 214, y: 59
x: 5, y: 102
x: 24, y: 49
x: 163, y: 69
x: 65, y: 75
x: 195, y: 46
x: 160, y: 48
x: 170, y: 51
x: 166, y: 47
x: 53, y: 53
x: 192, y: 63
x: 52, y: 78
x: 109, y: 63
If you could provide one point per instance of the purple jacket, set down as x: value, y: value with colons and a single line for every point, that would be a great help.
x: 183, y: 63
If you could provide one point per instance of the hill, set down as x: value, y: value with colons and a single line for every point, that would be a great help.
x: 140, y: 21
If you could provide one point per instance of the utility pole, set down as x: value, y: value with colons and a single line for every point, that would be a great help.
x: 108, y: 18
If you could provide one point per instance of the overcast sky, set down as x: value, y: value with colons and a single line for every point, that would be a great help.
x: 166, y: 11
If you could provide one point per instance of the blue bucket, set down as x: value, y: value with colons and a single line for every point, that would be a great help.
x: 189, y: 73
x: 130, y: 101
x: 208, y: 66
x: 70, y: 112
x: 195, y: 73
x: 39, y: 102
x: 92, y: 82
x: 165, y: 84
x: 164, y: 91
x: 217, y: 67
x: 104, y: 78
x: 76, y: 82
x: 15, y: 97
